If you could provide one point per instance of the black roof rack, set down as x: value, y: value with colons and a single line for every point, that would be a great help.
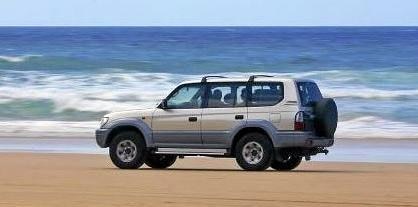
x: 205, y: 78
x: 251, y: 79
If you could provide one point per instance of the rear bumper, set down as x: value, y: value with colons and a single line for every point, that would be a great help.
x: 101, y: 137
x: 301, y: 139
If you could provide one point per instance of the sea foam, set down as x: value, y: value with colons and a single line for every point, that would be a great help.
x: 375, y: 127
x: 17, y: 59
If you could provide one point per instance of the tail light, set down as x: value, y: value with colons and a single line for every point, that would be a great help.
x: 299, y: 122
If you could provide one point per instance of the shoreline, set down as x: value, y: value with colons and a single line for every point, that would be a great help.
x: 344, y: 149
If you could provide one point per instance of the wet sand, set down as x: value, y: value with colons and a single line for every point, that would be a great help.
x: 36, y: 179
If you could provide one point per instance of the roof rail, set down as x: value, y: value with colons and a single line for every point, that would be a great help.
x: 251, y: 79
x: 205, y: 78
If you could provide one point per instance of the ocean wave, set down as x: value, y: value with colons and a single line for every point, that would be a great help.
x: 118, y: 89
x: 88, y: 92
x: 376, y: 127
x: 368, y: 93
x: 17, y: 59
x: 40, y: 129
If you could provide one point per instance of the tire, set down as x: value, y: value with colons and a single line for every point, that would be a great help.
x: 326, y: 117
x: 289, y: 164
x: 257, y: 146
x: 160, y: 161
x: 127, y: 150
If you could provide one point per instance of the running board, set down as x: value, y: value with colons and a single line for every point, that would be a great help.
x: 189, y: 151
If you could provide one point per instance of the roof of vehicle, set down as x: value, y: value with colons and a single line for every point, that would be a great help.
x: 245, y: 79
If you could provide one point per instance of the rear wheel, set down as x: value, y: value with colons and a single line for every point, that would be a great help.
x: 290, y: 163
x: 160, y: 161
x: 127, y: 150
x: 254, y: 152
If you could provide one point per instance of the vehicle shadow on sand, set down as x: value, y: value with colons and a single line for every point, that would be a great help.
x: 243, y: 171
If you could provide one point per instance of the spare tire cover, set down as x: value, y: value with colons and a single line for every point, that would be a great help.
x: 326, y: 117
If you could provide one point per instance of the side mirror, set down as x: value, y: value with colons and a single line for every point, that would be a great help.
x: 163, y: 104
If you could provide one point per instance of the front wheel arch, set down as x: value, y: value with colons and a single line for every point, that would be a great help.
x: 115, y: 131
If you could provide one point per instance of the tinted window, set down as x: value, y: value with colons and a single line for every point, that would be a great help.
x: 309, y: 93
x: 266, y: 94
x: 225, y: 95
x: 185, y: 97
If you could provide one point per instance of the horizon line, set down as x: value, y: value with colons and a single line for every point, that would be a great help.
x: 208, y: 25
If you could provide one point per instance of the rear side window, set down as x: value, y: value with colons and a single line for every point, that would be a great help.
x: 266, y: 94
x: 309, y: 93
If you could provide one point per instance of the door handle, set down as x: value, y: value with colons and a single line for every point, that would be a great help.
x: 239, y: 116
x: 192, y: 119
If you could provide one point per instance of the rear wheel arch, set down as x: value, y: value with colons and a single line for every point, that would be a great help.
x: 244, y: 131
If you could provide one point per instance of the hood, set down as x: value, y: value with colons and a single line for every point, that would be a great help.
x: 130, y: 114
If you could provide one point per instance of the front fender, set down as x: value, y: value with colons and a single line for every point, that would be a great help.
x: 140, y: 125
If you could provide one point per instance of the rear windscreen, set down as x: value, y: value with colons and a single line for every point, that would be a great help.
x: 309, y: 93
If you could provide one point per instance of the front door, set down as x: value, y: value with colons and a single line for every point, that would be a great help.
x: 178, y: 125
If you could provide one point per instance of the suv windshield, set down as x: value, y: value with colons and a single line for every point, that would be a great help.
x: 309, y: 93
x: 186, y: 97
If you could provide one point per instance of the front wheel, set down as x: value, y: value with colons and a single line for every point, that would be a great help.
x: 290, y: 163
x: 127, y: 150
x: 160, y: 161
x: 254, y: 152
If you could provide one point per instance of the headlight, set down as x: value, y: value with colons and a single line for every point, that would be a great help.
x: 103, y: 121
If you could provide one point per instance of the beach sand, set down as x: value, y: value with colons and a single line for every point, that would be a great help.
x: 37, y: 179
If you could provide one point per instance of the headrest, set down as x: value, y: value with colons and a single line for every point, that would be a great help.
x: 229, y: 99
x: 216, y: 94
x: 244, y: 93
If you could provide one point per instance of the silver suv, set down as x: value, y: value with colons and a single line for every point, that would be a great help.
x: 262, y: 121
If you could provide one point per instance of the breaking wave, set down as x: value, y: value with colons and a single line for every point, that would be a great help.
x: 102, y: 92
x: 17, y: 59
x: 52, y: 100
x: 375, y: 127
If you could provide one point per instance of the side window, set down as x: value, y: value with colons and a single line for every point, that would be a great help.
x: 266, y: 94
x: 309, y: 93
x: 226, y: 95
x: 186, y: 97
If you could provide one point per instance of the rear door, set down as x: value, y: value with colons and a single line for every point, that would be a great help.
x: 263, y: 102
x: 225, y: 108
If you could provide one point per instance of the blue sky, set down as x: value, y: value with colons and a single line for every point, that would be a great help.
x: 209, y: 13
